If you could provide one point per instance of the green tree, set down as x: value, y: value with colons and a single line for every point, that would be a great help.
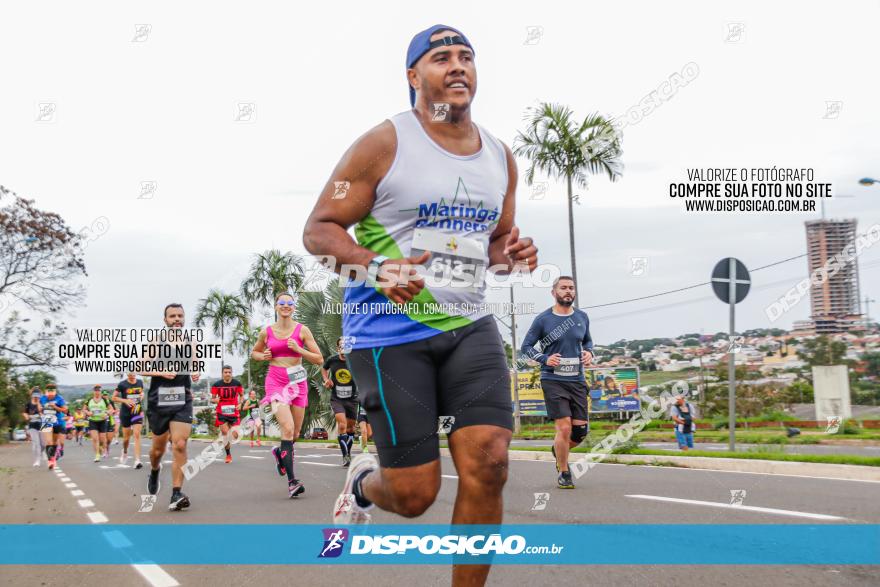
x: 872, y: 364
x: 272, y: 273
x: 220, y: 310
x: 822, y: 351
x: 561, y: 148
x: 326, y: 327
x: 241, y: 341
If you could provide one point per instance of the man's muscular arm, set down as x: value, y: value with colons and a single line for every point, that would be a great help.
x: 362, y: 166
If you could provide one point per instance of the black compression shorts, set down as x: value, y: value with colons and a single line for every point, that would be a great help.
x: 406, y: 389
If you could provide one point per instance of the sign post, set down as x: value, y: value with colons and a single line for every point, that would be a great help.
x: 731, y: 283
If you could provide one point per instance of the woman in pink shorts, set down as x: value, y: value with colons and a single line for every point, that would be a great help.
x: 284, y: 344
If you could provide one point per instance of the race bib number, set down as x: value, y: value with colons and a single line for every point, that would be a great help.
x: 49, y: 416
x: 135, y: 397
x: 344, y: 391
x: 98, y: 413
x: 296, y: 374
x: 567, y: 367
x: 228, y: 410
x: 456, y: 261
x: 172, y: 396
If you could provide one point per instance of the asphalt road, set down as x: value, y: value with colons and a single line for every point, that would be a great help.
x: 249, y: 491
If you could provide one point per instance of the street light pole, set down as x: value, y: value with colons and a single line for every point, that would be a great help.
x: 517, y: 424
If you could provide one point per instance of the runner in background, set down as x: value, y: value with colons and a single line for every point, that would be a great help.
x: 366, y: 431
x: 563, y: 333
x: 170, y: 413
x: 129, y: 395
x: 31, y: 414
x: 112, y: 422
x: 343, y: 399
x: 284, y: 344
x: 97, y: 411
x: 226, y: 394
x: 251, y: 408
x: 79, y: 422
x: 53, y: 409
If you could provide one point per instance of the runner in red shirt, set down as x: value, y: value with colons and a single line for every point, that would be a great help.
x: 226, y: 394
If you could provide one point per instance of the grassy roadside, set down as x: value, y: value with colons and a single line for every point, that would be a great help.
x: 751, y: 455
x: 764, y: 436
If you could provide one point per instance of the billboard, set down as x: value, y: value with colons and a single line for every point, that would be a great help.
x: 531, y: 397
x: 613, y: 390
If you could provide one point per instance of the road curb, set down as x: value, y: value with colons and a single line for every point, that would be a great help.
x: 845, y: 472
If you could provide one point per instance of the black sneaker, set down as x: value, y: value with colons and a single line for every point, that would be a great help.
x: 564, y: 481
x: 276, y: 452
x: 178, y: 501
x: 295, y: 488
x: 346, y: 460
x: 555, y: 461
x: 153, y: 484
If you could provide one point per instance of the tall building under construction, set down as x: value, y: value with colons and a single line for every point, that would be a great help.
x: 834, y: 303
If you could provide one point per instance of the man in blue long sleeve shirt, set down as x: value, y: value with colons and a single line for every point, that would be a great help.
x: 563, y: 335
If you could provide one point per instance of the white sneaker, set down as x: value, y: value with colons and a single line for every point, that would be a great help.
x: 346, y: 509
x: 122, y: 458
x: 36, y: 463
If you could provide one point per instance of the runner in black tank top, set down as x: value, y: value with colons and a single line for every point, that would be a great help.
x: 170, y: 415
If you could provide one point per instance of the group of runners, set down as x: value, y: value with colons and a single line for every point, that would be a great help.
x: 428, y: 196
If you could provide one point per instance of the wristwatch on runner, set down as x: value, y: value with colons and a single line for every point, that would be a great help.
x: 373, y: 269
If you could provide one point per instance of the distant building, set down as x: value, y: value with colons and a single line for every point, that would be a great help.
x: 835, y: 301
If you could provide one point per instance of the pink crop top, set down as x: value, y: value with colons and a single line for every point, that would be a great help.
x: 278, y: 346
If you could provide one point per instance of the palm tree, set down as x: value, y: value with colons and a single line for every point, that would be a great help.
x: 557, y: 146
x: 326, y: 327
x: 242, y: 341
x: 220, y: 309
x: 272, y: 273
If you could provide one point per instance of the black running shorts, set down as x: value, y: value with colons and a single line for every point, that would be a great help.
x: 349, y: 407
x: 128, y: 420
x: 99, y: 426
x: 565, y: 399
x: 160, y: 419
x: 407, y: 389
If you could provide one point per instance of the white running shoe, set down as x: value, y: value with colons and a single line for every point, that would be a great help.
x: 346, y: 509
x: 122, y: 458
x: 36, y: 463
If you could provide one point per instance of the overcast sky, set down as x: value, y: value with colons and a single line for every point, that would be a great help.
x: 159, y: 105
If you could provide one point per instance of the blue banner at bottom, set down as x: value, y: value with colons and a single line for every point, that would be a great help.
x: 522, y: 544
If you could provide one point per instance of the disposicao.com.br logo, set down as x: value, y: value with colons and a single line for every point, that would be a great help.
x: 431, y: 544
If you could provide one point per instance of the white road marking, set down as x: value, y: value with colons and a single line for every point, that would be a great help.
x: 250, y: 457
x: 320, y: 464
x: 65, y: 479
x: 156, y: 575
x: 97, y: 518
x: 77, y: 493
x: 70, y: 485
x: 749, y: 508
x: 86, y: 503
x: 259, y: 450
x: 450, y: 476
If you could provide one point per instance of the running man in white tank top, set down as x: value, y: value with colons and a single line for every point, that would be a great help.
x: 431, y: 196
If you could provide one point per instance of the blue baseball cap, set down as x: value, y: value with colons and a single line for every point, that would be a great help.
x: 421, y: 44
